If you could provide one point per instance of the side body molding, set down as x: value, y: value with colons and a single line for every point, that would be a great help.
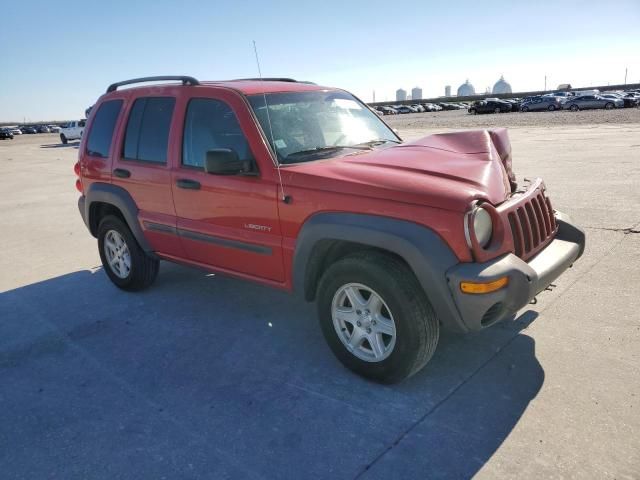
x: 118, y: 197
x: 424, y: 251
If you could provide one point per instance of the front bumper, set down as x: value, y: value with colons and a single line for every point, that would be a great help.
x: 526, y: 279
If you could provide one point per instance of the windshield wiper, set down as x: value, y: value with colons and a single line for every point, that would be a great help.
x: 328, y: 148
x: 378, y: 141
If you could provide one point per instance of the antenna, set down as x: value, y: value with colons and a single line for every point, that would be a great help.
x: 285, y: 198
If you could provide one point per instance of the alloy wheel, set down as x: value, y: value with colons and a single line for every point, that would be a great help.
x: 363, y: 322
x: 117, y: 252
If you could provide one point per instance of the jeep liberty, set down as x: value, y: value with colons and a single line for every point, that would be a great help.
x: 304, y: 188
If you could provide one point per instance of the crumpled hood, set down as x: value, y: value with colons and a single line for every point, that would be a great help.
x: 446, y: 171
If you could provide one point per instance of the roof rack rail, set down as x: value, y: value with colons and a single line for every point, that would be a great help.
x: 266, y: 79
x: 183, y: 78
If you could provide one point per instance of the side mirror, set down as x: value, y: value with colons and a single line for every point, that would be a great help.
x: 225, y: 161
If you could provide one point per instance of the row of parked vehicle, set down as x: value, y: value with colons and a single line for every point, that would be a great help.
x: 574, y: 101
x: 10, y: 132
x: 420, y: 108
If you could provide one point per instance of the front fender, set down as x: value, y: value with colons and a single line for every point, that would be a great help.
x: 421, y: 248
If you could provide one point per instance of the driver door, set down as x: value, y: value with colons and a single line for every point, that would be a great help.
x: 228, y: 222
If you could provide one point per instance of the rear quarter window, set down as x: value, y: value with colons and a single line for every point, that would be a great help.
x: 99, y: 141
x: 147, y: 135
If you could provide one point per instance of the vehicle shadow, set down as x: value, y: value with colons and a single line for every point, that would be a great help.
x: 61, y: 145
x: 206, y: 376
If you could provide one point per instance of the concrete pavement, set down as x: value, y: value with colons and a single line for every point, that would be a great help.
x: 203, y: 376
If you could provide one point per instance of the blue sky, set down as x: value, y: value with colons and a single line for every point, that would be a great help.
x: 58, y: 57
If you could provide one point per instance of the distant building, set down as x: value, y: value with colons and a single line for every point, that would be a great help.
x: 416, y: 93
x: 501, y: 86
x: 401, y: 95
x: 466, y: 89
x: 447, y: 91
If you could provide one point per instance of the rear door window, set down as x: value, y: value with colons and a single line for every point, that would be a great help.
x: 99, y: 141
x: 147, y: 135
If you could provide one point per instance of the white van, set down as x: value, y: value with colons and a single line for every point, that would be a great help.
x: 580, y: 93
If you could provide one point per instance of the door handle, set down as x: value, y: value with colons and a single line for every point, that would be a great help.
x: 188, y: 184
x: 122, y: 173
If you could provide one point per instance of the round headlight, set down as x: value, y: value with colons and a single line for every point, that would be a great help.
x: 482, y: 226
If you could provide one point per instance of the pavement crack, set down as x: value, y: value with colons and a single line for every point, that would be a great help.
x: 626, y: 231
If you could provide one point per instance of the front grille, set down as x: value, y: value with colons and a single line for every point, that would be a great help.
x: 533, y: 224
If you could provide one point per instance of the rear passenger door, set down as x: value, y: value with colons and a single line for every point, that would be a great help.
x: 229, y: 222
x: 142, y: 169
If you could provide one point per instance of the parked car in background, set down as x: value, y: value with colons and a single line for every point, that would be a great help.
x: 405, y: 109
x: 54, y: 128
x: 387, y: 110
x: 449, y: 106
x: 28, y: 129
x: 72, y: 131
x: 15, y: 131
x: 418, y: 108
x: 515, y: 104
x: 431, y: 107
x: 541, y: 103
x: 583, y: 93
x: 560, y: 94
x: 586, y: 102
x: 42, y: 129
x: 629, y: 100
x: 5, y: 134
x: 490, y: 106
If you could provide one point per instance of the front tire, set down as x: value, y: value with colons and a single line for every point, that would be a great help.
x: 63, y: 139
x: 497, y: 110
x: 609, y: 106
x: 574, y: 108
x: 376, y: 318
x: 126, y: 264
x: 551, y: 108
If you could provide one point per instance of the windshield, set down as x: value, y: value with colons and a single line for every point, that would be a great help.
x: 311, y: 125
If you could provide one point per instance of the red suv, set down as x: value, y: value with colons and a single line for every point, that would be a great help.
x: 304, y: 188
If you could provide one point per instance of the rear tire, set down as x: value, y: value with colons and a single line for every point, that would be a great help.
x: 551, y: 108
x: 63, y: 139
x: 472, y: 111
x: 404, y: 304
x: 128, y: 267
x: 574, y: 108
x: 524, y: 109
x: 497, y: 110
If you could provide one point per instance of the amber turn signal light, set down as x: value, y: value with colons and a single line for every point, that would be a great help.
x: 488, y: 287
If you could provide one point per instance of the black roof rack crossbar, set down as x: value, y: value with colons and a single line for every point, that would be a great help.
x: 184, y: 79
